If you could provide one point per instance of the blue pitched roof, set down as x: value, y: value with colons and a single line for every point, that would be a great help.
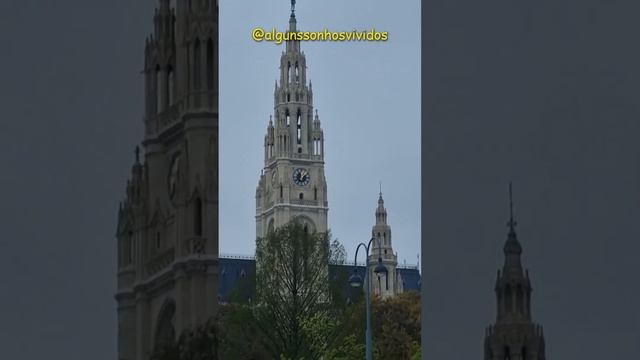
x: 233, y: 269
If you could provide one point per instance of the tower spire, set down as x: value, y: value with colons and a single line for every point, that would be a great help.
x: 293, y: 8
x: 512, y: 223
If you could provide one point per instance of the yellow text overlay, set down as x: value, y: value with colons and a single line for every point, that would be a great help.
x: 278, y: 37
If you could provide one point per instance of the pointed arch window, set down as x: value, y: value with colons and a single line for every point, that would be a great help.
x: 299, y: 127
x: 196, y: 65
x: 197, y: 217
x: 132, y: 247
x: 170, y: 86
x: 287, y: 116
x: 210, y: 64
x: 297, y: 74
x: 288, y: 71
x: 159, y: 89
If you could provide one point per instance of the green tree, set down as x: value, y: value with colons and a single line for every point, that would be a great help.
x: 397, y: 326
x: 293, y: 293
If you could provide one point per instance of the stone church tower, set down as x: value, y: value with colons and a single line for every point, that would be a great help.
x: 167, y: 233
x: 292, y: 184
x: 514, y: 336
x: 388, y: 285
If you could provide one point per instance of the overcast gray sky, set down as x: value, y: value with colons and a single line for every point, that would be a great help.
x: 544, y: 93
x: 368, y: 99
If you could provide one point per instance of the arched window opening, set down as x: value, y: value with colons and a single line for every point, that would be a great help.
x: 127, y: 249
x: 287, y: 116
x: 288, y: 96
x: 315, y: 193
x: 281, y: 192
x: 301, y: 196
x: 165, y: 330
x: 306, y: 229
x: 288, y: 71
x: 210, y: 65
x: 520, y: 300
x: 196, y: 65
x: 271, y: 226
x: 508, y: 300
x: 170, y: 85
x: 197, y: 217
x: 297, y: 74
x: 507, y: 353
x: 299, y: 127
x: 159, y: 89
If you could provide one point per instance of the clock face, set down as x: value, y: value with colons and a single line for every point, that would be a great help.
x: 301, y: 177
x: 173, y: 176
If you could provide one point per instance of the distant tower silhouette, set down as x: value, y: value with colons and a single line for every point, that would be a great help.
x: 388, y: 285
x: 514, y: 336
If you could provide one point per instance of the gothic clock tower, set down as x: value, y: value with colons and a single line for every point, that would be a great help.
x: 167, y: 234
x: 292, y: 184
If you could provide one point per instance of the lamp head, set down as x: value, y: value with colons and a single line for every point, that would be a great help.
x: 355, y: 280
x: 380, y: 269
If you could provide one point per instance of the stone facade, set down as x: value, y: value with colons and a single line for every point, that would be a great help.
x: 167, y: 233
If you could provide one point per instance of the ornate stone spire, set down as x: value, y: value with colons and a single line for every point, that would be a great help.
x: 514, y: 335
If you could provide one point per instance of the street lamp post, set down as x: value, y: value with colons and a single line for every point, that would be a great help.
x: 356, y: 281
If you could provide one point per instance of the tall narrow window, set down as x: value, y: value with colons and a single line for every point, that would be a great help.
x: 299, y: 127
x: 281, y: 191
x: 159, y: 89
x: 297, y: 74
x: 288, y: 79
x: 170, y: 85
x: 288, y: 117
x: 315, y: 193
x: 132, y: 247
x: 197, y: 217
x: 210, y: 64
x: 196, y: 65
